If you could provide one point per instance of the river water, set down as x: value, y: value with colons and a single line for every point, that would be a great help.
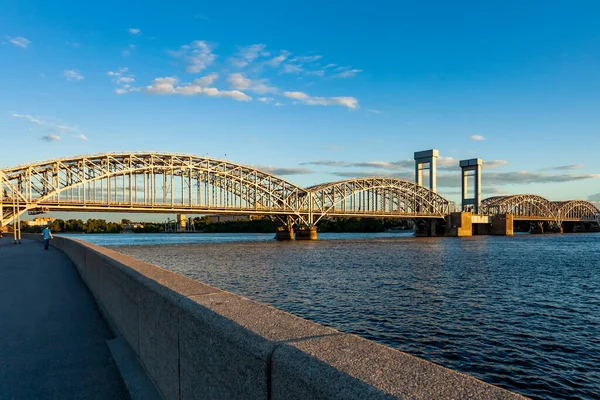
x: 519, y: 312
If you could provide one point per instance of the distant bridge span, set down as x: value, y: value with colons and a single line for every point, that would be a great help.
x: 176, y: 183
x: 530, y: 207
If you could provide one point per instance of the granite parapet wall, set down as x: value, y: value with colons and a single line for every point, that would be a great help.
x: 198, y: 342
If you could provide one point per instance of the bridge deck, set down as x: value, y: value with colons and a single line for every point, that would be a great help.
x: 53, y: 338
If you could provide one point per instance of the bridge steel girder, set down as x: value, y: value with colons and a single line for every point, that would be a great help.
x: 531, y: 207
x: 377, y: 197
x: 577, y: 210
x: 151, y: 182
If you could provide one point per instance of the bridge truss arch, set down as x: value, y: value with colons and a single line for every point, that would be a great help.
x: 376, y: 197
x: 147, y: 182
x: 577, y: 210
x: 522, y: 206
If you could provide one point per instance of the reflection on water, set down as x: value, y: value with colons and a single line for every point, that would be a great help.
x: 520, y: 312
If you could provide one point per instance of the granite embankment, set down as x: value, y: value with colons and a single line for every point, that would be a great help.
x: 196, y: 341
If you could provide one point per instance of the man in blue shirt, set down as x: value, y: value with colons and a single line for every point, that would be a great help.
x: 47, y: 236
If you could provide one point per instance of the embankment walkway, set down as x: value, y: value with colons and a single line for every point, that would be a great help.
x: 52, y: 337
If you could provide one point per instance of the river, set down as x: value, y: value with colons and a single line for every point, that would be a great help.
x: 519, y: 312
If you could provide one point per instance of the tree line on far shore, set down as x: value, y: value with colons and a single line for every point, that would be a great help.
x: 203, y: 224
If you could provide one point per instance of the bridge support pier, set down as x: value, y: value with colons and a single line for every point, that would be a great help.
x: 503, y: 225
x: 309, y: 233
x: 459, y: 224
x: 284, y: 233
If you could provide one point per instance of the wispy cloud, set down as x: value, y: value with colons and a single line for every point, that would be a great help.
x: 372, y: 111
x: 246, y: 55
x: 50, y: 138
x: 292, y: 68
x: 56, y: 126
x: 491, y: 178
x: 135, y: 31
x: 477, y: 137
x: 19, y: 41
x: 285, y: 171
x: 346, y: 72
x: 266, y: 99
x: 81, y: 136
x: 305, y: 59
x: 121, y: 76
x: 171, y: 86
x: 303, y: 98
x: 73, y: 75
x: 443, y: 163
x: 568, y: 167
x: 494, y: 164
x: 277, y: 60
x: 198, y: 55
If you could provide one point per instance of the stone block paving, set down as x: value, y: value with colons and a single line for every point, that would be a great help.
x: 52, y: 336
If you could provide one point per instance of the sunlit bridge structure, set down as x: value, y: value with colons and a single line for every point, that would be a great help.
x: 175, y: 183
x: 154, y: 182
x: 530, y: 207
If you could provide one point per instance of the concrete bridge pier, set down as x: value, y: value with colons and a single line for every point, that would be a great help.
x: 426, y: 227
x: 284, y: 233
x: 459, y: 224
x: 307, y: 233
x: 503, y: 225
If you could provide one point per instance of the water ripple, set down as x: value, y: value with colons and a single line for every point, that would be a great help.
x: 519, y: 312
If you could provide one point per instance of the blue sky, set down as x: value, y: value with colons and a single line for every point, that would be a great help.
x: 317, y: 91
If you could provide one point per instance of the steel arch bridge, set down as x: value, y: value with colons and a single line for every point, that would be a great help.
x: 176, y: 183
x: 380, y: 197
x: 532, y: 207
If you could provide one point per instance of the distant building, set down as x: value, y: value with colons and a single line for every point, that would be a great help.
x: 227, y: 218
x: 39, y: 221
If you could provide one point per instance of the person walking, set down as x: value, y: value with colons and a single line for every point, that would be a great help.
x: 47, y: 234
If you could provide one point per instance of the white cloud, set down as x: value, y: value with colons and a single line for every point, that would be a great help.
x: 477, y: 137
x: 284, y: 171
x: 568, y: 167
x: 493, y: 164
x: 277, y: 60
x: 73, y: 75
x: 81, y: 136
x: 330, y: 66
x: 135, y: 31
x: 170, y: 85
x: 265, y: 99
x: 306, y: 59
x: 50, y: 138
x: 56, y: 126
x: 19, y: 41
x: 372, y: 111
x: 349, y: 102
x: 292, y: 69
x: 122, y: 79
x: 246, y: 55
x: 350, y: 73
x: 29, y: 118
x: 240, y: 82
x: 197, y: 55
x: 320, y: 72
x: 493, y: 179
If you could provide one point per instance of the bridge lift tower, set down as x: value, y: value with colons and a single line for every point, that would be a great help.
x: 471, y: 168
x: 426, y: 159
